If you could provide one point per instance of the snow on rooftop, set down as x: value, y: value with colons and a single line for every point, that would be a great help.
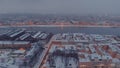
x: 19, y: 51
x: 14, y: 42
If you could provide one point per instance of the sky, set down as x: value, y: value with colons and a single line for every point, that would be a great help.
x: 61, y: 6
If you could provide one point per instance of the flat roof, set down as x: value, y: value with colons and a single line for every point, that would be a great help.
x: 14, y: 42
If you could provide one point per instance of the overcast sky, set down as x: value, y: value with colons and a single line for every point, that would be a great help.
x: 60, y: 6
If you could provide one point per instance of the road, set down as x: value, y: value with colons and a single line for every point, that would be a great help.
x: 44, y: 54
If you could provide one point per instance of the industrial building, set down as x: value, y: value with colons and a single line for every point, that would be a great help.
x: 24, y: 35
x: 20, y: 48
x: 14, y: 44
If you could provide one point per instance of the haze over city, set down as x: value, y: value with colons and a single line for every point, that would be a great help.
x: 60, y: 6
x: 59, y: 34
